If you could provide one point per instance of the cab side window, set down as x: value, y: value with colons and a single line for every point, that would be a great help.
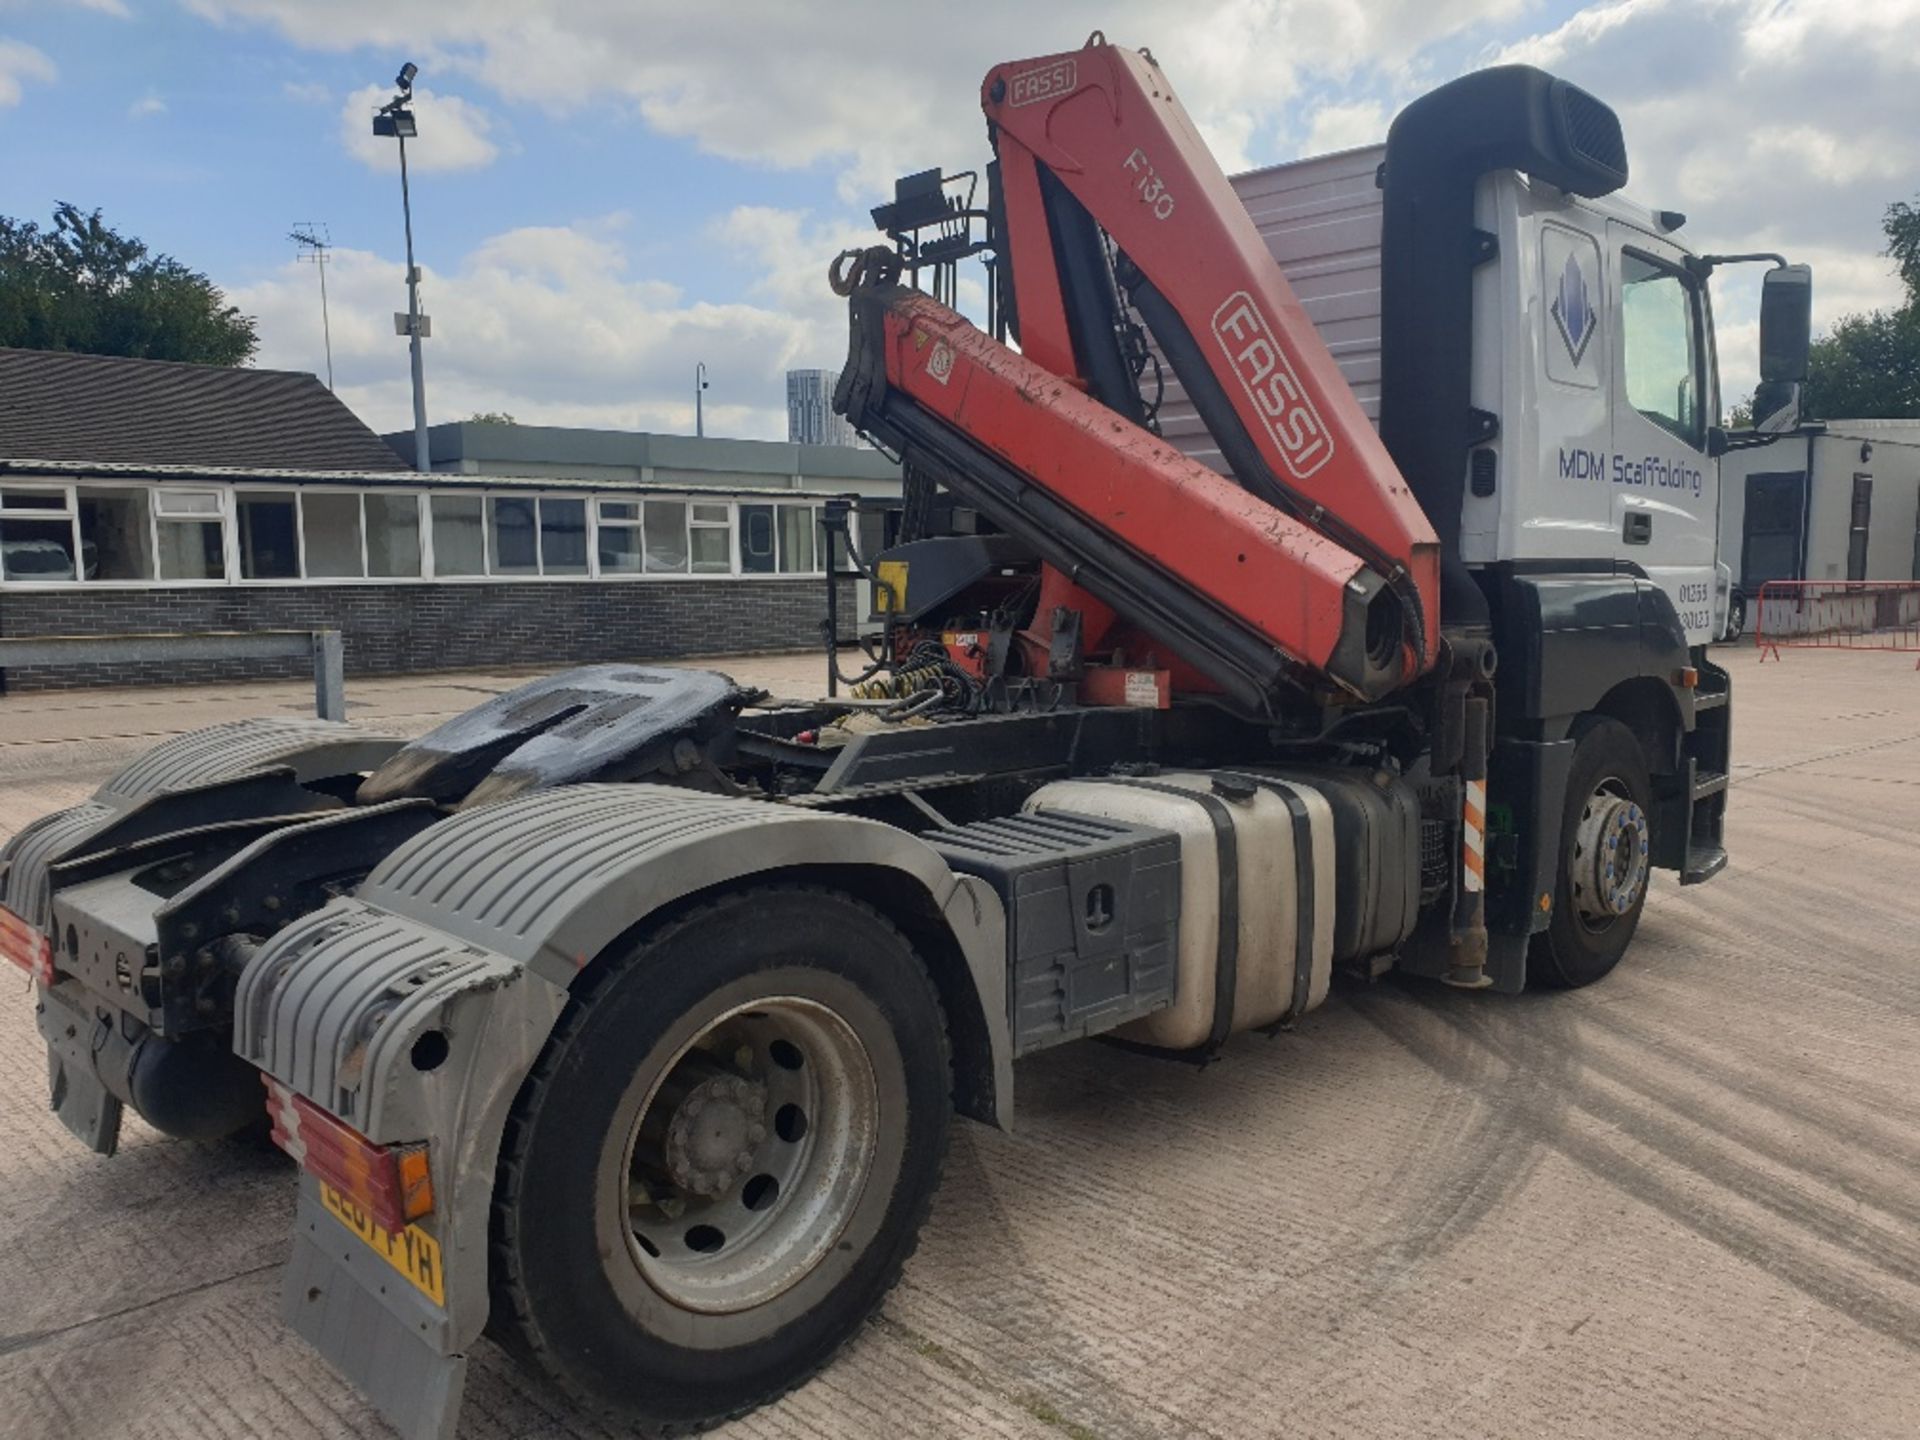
x: 1661, y: 340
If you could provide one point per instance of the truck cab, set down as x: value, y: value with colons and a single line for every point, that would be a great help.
x: 1594, y: 347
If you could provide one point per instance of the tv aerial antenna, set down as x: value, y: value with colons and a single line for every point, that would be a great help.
x: 315, y: 243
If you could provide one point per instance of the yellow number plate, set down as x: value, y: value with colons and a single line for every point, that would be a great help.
x: 413, y: 1252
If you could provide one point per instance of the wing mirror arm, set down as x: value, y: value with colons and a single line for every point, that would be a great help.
x: 1786, y: 338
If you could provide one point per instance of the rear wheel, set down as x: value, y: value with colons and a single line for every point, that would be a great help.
x: 1736, y: 617
x: 1605, y: 854
x: 721, y: 1162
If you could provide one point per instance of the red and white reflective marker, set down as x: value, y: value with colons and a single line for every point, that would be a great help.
x: 26, y: 947
x: 1473, y: 842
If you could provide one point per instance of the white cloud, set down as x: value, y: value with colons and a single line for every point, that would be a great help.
x: 306, y: 92
x: 455, y: 134
x: 115, y: 8
x: 855, y: 86
x: 1774, y: 124
x: 545, y: 323
x: 19, y: 64
x: 146, y: 107
x: 1346, y: 127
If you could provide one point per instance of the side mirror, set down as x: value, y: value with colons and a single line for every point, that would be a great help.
x: 1786, y: 334
x: 1786, y: 323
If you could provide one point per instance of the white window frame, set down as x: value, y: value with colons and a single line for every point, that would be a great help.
x: 486, y: 575
x: 69, y: 512
x: 596, y: 522
x: 422, y: 523
x: 299, y: 537
x: 732, y: 523
x: 539, y: 561
x: 539, y: 535
x: 222, y: 516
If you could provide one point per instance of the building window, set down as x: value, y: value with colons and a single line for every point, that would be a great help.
x: 268, y: 522
x: 666, y: 532
x: 779, y: 540
x: 36, y: 535
x: 459, y: 543
x: 710, y: 539
x: 393, y: 535
x: 331, y: 522
x: 757, y: 543
x: 620, y: 547
x: 1859, y: 521
x: 563, y: 536
x: 191, y: 544
x: 513, y: 535
x: 170, y: 533
x: 116, y: 533
x: 797, y: 526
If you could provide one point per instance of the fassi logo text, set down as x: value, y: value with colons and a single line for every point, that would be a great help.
x: 1304, y: 440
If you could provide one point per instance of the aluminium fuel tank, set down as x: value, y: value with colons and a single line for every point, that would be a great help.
x: 1257, y: 877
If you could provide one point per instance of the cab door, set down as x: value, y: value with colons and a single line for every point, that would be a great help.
x: 1664, y: 486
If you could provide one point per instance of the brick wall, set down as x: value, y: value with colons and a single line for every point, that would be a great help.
x: 393, y: 629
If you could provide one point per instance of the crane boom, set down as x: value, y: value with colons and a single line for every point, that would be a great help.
x: 1106, y: 190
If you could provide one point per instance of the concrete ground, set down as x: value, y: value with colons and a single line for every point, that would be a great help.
x: 1685, y: 1202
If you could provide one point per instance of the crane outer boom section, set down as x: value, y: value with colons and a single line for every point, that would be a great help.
x: 1104, y: 123
x: 1243, y: 592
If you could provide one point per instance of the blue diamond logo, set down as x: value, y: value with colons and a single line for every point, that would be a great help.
x: 1573, y: 310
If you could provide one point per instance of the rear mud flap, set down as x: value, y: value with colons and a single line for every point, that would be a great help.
x: 79, y: 1098
x: 372, y: 1326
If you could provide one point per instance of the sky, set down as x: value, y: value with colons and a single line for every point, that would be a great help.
x: 609, y: 192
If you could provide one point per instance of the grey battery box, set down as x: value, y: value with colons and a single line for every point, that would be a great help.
x: 1093, y: 917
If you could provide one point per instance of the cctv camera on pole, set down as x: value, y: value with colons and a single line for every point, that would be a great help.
x: 395, y: 119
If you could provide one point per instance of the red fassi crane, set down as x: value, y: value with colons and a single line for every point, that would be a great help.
x: 1318, y: 564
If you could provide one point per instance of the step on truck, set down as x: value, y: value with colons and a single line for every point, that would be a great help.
x: 1299, y: 580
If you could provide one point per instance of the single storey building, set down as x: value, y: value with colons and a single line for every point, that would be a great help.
x: 1839, y: 504
x: 140, y: 496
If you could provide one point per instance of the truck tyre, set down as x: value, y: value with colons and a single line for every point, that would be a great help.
x: 722, y: 1159
x: 1605, y: 858
x: 1736, y: 617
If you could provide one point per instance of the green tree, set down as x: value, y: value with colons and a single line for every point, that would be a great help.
x: 81, y: 285
x: 1868, y: 366
x: 1902, y: 224
x: 491, y: 417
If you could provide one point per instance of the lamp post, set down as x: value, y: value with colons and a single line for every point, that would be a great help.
x: 395, y: 119
x: 699, y: 399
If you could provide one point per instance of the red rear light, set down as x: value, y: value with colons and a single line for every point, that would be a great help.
x: 390, y: 1182
x: 26, y: 947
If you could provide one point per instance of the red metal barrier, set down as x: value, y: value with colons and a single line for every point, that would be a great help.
x: 1839, y: 615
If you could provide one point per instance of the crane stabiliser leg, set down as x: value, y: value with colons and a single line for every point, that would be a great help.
x: 1246, y: 594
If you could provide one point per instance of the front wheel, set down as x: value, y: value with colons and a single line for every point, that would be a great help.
x: 1605, y: 859
x: 1736, y: 617
x: 723, y: 1158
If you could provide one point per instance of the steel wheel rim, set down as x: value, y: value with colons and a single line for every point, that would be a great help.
x: 1610, y: 860
x: 749, y: 1155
